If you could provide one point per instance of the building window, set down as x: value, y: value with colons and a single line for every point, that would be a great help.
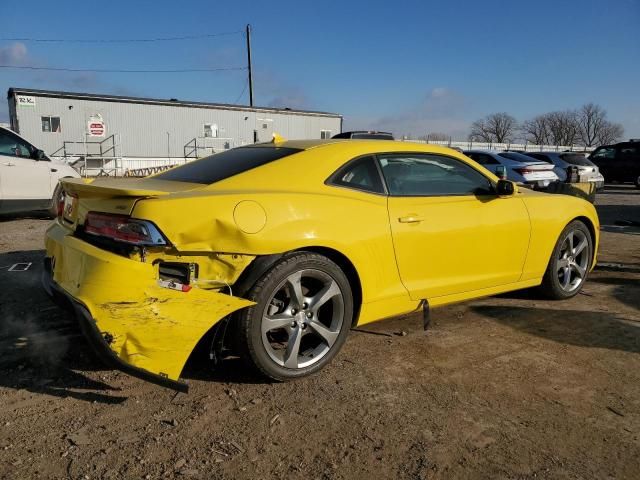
x: 211, y: 130
x: 325, y: 134
x: 51, y: 124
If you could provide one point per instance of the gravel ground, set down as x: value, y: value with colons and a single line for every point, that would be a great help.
x: 504, y: 387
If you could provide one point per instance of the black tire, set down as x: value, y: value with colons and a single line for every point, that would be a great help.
x: 256, y: 346
x: 53, y: 206
x: 555, y: 283
x: 638, y: 182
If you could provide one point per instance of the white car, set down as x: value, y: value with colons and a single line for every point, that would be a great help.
x: 563, y: 160
x: 28, y: 178
x: 519, y: 168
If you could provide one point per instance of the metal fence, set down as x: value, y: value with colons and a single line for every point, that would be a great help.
x: 526, y: 147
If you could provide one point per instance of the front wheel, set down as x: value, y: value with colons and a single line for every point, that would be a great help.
x: 638, y: 182
x: 569, y: 263
x: 302, y: 316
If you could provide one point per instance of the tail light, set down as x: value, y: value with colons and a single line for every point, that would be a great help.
x: 123, y: 229
x: 61, y: 204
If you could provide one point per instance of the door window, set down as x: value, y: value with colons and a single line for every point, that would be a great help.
x: 483, y: 159
x: 14, y: 146
x: 414, y: 174
x: 604, y: 153
x: 360, y: 174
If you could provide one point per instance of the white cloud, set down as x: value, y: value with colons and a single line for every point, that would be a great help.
x: 15, y: 54
x: 439, y: 110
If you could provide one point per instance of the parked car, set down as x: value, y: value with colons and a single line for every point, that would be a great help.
x: 365, y: 135
x: 563, y: 160
x: 291, y: 244
x: 619, y: 162
x: 28, y: 178
x: 520, y: 168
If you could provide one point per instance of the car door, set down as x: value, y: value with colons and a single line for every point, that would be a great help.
x: 605, y: 159
x: 627, y: 161
x: 25, y: 183
x: 451, y: 233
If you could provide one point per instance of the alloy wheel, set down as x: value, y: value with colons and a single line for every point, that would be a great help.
x: 573, y: 261
x: 303, y: 319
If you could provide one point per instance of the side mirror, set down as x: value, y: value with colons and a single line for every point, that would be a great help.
x: 501, y: 172
x: 39, y: 155
x: 505, y: 188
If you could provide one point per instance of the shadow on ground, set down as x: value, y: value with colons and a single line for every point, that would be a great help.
x: 571, y: 327
x: 36, y: 337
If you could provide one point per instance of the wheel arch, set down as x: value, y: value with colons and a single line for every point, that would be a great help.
x: 263, y: 263
x: 592, y: 231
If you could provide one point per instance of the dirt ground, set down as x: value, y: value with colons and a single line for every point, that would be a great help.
x: 504, y: 387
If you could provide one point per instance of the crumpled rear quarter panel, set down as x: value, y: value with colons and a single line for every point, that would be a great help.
x: 147, y: 326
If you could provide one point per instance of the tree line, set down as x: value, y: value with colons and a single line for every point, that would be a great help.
x: 587, y: 126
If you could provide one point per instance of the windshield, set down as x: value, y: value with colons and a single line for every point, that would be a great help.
x: 576, y: 159
x: 226, y: 164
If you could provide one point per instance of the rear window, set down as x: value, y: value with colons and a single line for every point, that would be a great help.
x: 226, y: 164
x: 575, y: 159
x: 518, y: 157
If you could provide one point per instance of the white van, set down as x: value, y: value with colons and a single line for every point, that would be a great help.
x: 28, y: 178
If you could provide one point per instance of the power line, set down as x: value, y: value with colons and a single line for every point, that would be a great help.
x: 244, y: 89
x: 120, y: 40
x: 106, y: 70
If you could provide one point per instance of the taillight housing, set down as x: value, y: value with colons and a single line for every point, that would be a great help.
x: 123, y: 228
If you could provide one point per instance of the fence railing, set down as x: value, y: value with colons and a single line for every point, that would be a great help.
x: 526, y: 147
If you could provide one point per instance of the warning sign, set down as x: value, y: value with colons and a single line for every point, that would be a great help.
x: 96, y: 128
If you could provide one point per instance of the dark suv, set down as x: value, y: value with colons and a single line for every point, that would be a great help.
x: 619, y: 162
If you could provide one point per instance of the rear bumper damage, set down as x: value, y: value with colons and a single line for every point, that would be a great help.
x: 130, y: 321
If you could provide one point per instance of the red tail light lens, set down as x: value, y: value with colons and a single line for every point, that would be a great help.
x: 523, y: 171
x: 61, y: 204
x: 123, y: 229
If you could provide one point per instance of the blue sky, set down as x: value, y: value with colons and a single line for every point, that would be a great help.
x: 409, y: 67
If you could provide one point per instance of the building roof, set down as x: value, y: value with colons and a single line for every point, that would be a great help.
x: 158, y: 101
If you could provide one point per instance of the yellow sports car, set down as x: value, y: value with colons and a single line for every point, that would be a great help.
x: 278, y: 249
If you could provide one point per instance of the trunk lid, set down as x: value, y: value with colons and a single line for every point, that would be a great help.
x: 113, y: 195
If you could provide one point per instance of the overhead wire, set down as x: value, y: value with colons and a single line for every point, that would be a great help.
x: 107, y: 70
x: 119, y: 40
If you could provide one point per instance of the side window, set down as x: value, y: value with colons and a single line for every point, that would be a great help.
x: 414, y: 174
x: 605, y: 153
x: 50, y: 124
x: 14, y: 146
x: 361, y: 174
x: 484, y: 159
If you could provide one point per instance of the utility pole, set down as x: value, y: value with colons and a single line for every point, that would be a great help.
x: 249, y: 65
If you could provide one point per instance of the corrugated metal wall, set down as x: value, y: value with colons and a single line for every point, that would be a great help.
x: 142, y: 128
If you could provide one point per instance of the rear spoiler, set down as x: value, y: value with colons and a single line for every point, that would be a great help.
x: 123, y: 187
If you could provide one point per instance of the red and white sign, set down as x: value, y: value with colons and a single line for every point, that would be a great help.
x: 96, y: 128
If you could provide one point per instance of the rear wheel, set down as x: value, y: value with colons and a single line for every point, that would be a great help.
x: 569, y: 263
x: 302, y: 316
x: 638, y: 182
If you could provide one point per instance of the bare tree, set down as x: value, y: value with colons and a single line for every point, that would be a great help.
x: 563, y: 127
x: 610, y: 133
x: 497, y: 127
x: 536, y: 130
x: 594, y: 128
x: 436, y: 137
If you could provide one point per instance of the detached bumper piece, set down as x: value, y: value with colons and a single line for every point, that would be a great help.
x: 131, y: 322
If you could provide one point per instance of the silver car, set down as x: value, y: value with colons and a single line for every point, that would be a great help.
x: 588, y: 170
x: 519, y: 168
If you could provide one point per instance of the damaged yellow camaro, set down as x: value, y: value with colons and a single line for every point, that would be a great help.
x: 290, y: 244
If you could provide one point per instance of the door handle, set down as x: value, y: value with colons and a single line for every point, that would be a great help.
x: 54, y: 169
x: 9, y: 164
x: 411, y: 219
